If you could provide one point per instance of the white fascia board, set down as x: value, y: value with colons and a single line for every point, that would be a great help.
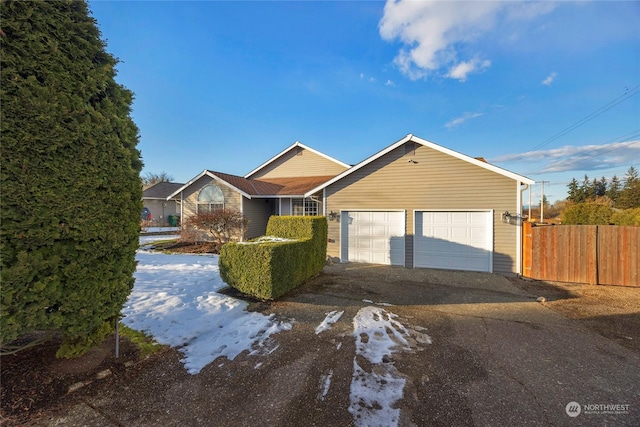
x: 286, y: 196
x: 291, y: 147
x: 194, y: 179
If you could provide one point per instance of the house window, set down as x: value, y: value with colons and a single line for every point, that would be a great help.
x: 306, y: 207
x: 210, y: 199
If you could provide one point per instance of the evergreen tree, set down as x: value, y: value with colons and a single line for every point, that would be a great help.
x: 613, y: 189
x: 630, y: 194
x: 574, y: 191
x: 71, y: 192
x: 584, y: 192
x: 600, y: 187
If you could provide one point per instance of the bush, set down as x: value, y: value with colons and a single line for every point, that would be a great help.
x: 626, y: 217
x: 268, y: 270
x: 71, y: 191
x: 587, y: 214
x: 220, y: 226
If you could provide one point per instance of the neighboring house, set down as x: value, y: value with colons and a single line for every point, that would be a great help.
x: 157, y: 199
x: 413, y: 204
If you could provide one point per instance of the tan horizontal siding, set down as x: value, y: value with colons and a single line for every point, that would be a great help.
x: 426, y: 179
x: 299, y: 162
x: 160, y: 213
x: 257, y: 211
x: 232, y: 199
x: 285, y: 206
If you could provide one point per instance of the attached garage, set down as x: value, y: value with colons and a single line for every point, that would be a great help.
x: 376, y: 237
x: 455, y: 240
x: 437, y: 207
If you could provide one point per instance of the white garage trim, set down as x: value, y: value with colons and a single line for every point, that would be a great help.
x: 373, y: 236
x: 453, y: 239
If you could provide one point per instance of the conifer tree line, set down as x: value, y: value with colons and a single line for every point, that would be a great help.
x: 618, y: 193
x: 71, y: 190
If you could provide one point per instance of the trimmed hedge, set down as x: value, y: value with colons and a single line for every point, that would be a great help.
x: 269, y: 270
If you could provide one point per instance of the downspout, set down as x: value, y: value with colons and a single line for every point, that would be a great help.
x: 523, y: 188
x: 181, y: 209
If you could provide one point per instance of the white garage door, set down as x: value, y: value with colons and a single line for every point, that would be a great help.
x: 373, y: 237
x: 454, y: 240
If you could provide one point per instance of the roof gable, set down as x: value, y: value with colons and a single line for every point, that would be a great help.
x: 423, y: 142
x: 297, y: 147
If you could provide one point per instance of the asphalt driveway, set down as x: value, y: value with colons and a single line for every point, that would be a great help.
x: 479, y: 351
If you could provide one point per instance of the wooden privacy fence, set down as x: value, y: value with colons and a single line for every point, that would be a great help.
x: 595, y: 254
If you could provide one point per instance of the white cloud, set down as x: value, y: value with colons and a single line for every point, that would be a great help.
x: 460, y: 120
x: 430, y: 30
x: 578, y: 158
x: 550, y: 79
x: 390, y: 83
x: 461, y: 70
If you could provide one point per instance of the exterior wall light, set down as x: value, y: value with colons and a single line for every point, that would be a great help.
x: 506, y: 217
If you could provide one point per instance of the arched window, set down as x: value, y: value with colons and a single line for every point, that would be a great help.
x: 210, y: 199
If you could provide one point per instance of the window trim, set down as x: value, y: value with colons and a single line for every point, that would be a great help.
x: 212, y: 204
x: 305, y: 207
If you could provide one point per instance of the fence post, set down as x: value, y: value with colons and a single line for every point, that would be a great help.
x: 597, y: 256
x: 526, y: 249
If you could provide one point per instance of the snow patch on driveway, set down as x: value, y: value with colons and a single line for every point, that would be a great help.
x: 332, y: 317
x: 376, y: 385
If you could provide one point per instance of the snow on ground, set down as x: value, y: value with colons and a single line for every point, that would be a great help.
x: 145, y: 240
x: 175, y: 300
x: 267, y: 239
x: 159, y: 229
x: 374, y: 394
x: 325, y: 384
x: 332, y: 317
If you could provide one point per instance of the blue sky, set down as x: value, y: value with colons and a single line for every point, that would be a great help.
x: 549, y: 90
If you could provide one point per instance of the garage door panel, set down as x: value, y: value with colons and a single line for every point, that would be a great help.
x: 439, y: 217
x: 362, y: 243
x: 459, y: 234
x: 439, y: 233
x: 454, y: 240
x: 373, y: 237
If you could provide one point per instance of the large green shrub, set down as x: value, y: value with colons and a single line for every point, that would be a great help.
x: 269, y: 270
x: 71, y: 192
x: 587, y: 214
x: 626, y: 217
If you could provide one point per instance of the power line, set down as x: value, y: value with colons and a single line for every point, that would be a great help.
x: 627, y: 95
x: 631, y: 139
